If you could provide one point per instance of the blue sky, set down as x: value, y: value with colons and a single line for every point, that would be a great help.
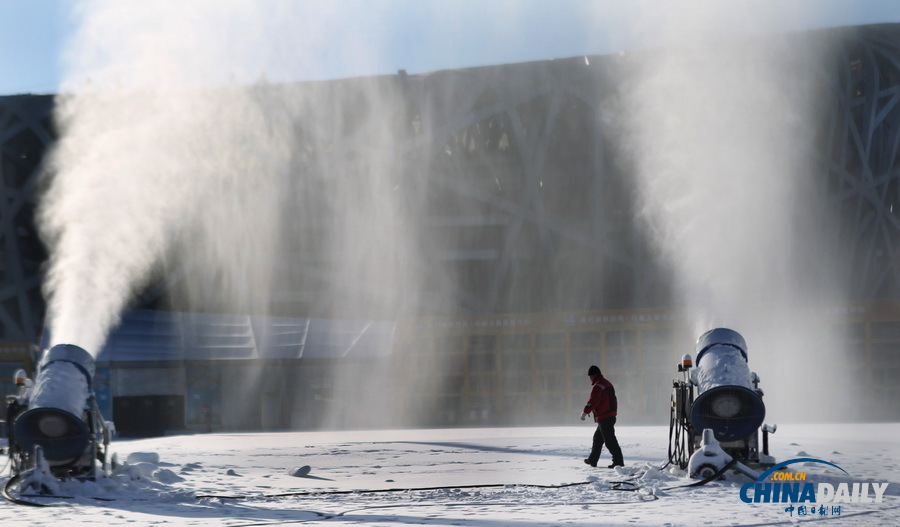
x: 429, y: 35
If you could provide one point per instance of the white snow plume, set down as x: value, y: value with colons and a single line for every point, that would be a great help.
x: 721, y: 132
x: 180, y: 157
x: 154, y: 147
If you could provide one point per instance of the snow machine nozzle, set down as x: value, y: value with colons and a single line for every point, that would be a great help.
x: 59, y: 402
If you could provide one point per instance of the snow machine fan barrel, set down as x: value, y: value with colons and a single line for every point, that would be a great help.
x: 55, y: 416
x: 727, y: 402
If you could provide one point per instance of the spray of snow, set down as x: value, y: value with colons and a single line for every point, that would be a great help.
x: 179, y: 158
x: 721, y: 132
x: 154, y: 151
x: 167, y: 160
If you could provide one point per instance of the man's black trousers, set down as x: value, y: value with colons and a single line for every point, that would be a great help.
x: 606, y: 434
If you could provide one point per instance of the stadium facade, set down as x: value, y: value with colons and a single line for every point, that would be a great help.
x: 524, y: 205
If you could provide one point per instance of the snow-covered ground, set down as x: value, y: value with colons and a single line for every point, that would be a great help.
x: 488, y: 478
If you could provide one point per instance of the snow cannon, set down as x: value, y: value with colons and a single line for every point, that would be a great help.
x: 728, y: 400
x: 56, y: 421
x: 57, y: 404
x: 717, y: 393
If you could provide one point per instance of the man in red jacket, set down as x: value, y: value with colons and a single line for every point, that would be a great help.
x: 603, y: 404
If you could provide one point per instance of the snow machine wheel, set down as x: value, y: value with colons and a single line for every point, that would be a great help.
x: 705, y: 471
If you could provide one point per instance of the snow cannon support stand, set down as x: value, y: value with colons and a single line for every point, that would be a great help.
x: 709, y: 459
